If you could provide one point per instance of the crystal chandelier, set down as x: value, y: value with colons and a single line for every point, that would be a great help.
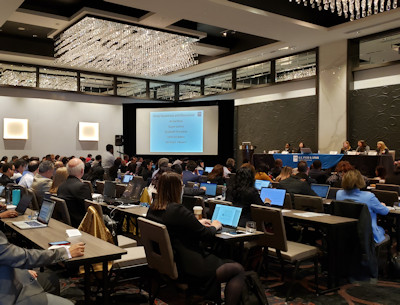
x: 115, y: 47
x: 355, y: 8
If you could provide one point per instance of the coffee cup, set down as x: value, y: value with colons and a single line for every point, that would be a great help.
x: 250, y: 226
x: 198, y: 212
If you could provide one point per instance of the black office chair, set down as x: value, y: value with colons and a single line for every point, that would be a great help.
x: 387, y: 197
x: 191, y: 201
x: 308, y: 203
x: 388, y: 187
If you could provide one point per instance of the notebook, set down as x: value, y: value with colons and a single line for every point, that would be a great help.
x: 277, y: 196
x: 43, y: 219
x: 127, y: 178
x: 228, y: 216
x: 211, y: 189
x: 322, y: 190
x: 258, y: 184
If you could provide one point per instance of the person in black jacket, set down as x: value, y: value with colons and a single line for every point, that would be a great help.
x: 74, y: 191
x: 243, y: 193
x: 186, y: 234
x: 292, y: 184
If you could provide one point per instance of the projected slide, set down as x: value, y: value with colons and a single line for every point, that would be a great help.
x: 176, y: 131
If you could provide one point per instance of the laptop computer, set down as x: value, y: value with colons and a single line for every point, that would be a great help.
x: 127, y: 178
x: 277, y: 196
x: 208, y: 169
x: 211, y: 189
x: 258, y: 184
x: 23, y: 203
x: 228, y: 216
x: 306, y: 150
x: 43, y: 219
x: 322, y: 190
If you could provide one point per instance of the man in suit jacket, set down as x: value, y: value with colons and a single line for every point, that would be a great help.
x: 74, y: 191
x: 17, y: 284
x: 42, y: 181
x: 190, y: 174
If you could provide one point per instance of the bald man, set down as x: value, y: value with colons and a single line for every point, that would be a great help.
x: 74, y: 191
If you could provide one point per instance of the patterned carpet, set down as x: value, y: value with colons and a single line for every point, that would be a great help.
x: 383, y: 292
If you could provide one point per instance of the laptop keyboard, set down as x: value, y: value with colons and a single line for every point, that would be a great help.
x: 227, y: 229
x: 33, y: 223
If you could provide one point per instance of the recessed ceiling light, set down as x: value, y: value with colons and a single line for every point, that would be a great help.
x: 21, y: 28
x: 34, y: 35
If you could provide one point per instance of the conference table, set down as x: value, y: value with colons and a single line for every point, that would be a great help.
x: 336, y: 228
x: 366, y: 164
x: 96, y: 250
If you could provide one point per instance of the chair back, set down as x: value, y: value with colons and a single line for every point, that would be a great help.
x: 308, y: 203
x: 203, y: 179
x: 100, y: 186
x: 274, y: 184
x: 119, y: 189
x: 373, y: 181
x: 190, y: 184
x: 332, y: 192
x: 387, y: 197
x: 287, y: 204
x: 89, y: 184
x: 94, y: 225
x: 61, y: 212
x: 34, y: 203
x: 99, y: 209
x: 213, y: 202
x: 157, y: 245
x: 270, y: 221
x: 219, y: 190
x: 191, y: 201
x: 388, y: 187
x: 392, y: 152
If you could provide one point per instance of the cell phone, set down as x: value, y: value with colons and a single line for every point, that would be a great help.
x: 237, y: 232
x: 60, y: 243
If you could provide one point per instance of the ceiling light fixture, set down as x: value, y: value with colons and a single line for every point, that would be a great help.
x: 355, y: 8
x: 115, y: 47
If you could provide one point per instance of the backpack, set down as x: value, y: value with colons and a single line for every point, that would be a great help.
x: 253, y: 292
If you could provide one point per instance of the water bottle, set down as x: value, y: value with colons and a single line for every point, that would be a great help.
x: 223, y: 195
x: 119, y: 174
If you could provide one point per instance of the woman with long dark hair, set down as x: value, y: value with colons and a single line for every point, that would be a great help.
x: 217, y: 175
x: 243, y: 193
x: 186, y: 233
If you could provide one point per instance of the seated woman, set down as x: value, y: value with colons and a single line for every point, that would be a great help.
x: 301, y: 145
x: 352, y: 183
x: 186, y: 234
x: 381, y: 148
x: 262, y: 172
x: 346, y: 147
x: 60, y: 176
x: 287, y: 148
x: 243, y: 193
x: 335, y: 179
x: 217, y: 175
x: 362, y: 148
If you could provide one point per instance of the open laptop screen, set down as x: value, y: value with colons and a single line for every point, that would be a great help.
x: 208, y: 169
x: 127, y: 178
x: 211, y: 188
x: 321, y: 190
x: 261, y: 183
x: 46, y: 211
x: 277, y: 196
x: 227, y: 215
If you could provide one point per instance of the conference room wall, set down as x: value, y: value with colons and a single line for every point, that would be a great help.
x: 374, y: 115
x: 271, y: 124
x: 53, y: 125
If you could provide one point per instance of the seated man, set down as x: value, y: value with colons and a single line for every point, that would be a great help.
x: 8, y: 171
x: 27, y: 178
x: 74, y: 191
x: 19, y: 169
x: 42, y: 181
x: 188, y: 191
x: 292, y: 184
x: 317, y: 173
x: 18, y: 285
x: 190, y: 174
x: 302, y: 172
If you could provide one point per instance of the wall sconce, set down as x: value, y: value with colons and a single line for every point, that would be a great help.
x: 88, y: 131
x: 15, y: 129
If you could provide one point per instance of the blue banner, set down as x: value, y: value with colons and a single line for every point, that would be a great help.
x: 291, y: 160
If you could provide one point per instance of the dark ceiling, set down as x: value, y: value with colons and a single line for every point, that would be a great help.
x: 297, y: 11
